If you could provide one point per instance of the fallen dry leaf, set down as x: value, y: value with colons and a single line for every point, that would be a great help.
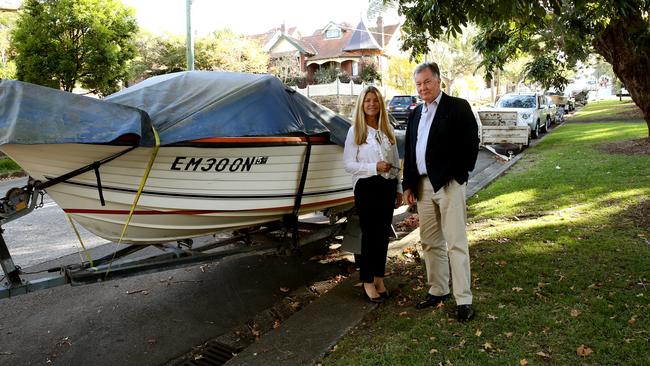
x: 276, y: 323
x: 543, y: 354
x: 487, y: 346
x: 584, y: 350
x: 508, y: 334
x: 517, y: 289
x: 575, y: 312
x: 492, y: 317
x: 632, y: 320
x: 523, y: 362
x: 284, y: 289
x: 255, y: 331
x: 433, y: 351
x: 478, y: 333
x: 403, y: 313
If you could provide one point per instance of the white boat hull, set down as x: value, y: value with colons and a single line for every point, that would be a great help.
x: 191, y: 191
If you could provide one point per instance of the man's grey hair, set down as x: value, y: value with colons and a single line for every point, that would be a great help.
x: 435, y: 70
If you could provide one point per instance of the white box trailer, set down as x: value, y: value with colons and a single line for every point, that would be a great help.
x: 498, y: 127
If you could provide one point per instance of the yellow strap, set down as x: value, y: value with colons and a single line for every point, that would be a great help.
x: 74, y: 227
x: 152, y: 158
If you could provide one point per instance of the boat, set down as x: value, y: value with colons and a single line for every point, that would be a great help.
x: 204, y: 151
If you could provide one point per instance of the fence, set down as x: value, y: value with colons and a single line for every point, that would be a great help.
x: 335, y: 88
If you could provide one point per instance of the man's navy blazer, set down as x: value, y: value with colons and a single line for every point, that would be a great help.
x: 452, y: 146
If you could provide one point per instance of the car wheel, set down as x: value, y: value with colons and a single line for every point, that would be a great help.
x: 547, y: 125
x: 535, y: 131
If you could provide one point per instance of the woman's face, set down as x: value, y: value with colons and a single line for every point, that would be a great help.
x: 371, y: 105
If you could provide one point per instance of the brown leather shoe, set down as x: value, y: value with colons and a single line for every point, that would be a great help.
x: 465, y: 312
x: 431, y: 301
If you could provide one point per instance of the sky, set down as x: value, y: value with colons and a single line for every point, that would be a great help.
x: 247, y: 16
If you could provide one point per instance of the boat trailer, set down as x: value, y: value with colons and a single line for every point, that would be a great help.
x: 129, y: 261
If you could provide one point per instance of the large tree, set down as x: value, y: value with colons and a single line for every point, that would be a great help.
x: 555, y: 33
x: 228, y: 51
x: 456, y: 56
x: 65, y: 43
x: 221, y: 50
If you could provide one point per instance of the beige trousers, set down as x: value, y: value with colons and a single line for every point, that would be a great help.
x: 444, y: 239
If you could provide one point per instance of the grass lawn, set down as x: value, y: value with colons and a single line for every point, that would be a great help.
x: 8, y: 166
x: 560, y: 265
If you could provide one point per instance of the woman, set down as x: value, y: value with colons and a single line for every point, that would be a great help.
x: 371, y: 157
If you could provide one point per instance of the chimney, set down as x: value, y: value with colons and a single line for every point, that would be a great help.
x: 282, y: 28
x: 380, y: 29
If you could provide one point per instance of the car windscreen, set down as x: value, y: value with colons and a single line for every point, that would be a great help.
x: 517, y: 101
x: 400, y: 101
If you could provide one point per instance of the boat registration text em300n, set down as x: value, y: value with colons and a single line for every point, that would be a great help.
x: 205, y: 164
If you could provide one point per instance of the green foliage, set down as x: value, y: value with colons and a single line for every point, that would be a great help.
x: 287, y: 69
x: 555, y: 33
x: 227, y: 51
x: 7, y: 67
x: 368, y: 73
x: 400, y: 75
x: 7, y: 165
x: 222, y: 50
x: 325, y: 75
x: 456, y: 56
x: 60, y: 43
x: 157, y: 55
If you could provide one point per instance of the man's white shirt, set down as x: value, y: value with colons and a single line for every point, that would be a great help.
x: 426, y: 119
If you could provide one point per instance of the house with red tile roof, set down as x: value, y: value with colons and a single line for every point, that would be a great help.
x: 343, y: 46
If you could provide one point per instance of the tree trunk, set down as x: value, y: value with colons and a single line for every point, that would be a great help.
x: 630, y: 61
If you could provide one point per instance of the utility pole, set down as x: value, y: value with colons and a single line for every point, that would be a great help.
x: 189, y: 36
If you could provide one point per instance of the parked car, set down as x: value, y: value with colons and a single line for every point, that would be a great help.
x: 531, y: 108
x: 553, y: 111
x: 397, y: 125
x: 400, y: 106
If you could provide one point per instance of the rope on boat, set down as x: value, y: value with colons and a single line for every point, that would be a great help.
x: 152, y: 158
x: 74, y: 227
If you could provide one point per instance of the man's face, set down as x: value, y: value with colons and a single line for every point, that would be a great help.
x: 428, y: 85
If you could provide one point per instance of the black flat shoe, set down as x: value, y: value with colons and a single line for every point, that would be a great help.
x: 431, y: 301
x: 376, y: 300
x: 384, y: 295
x: 465, y: 312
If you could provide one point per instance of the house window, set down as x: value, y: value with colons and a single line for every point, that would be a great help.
x: 355, y: 68
x: 333, y: 33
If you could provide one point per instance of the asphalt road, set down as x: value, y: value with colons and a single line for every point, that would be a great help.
x: 144, y: 320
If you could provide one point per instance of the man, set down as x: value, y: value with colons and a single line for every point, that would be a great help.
x: 441, y: 149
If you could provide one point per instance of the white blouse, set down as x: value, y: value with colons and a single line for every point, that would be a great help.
x: 361, y: 160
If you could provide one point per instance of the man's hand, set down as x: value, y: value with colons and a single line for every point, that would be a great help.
x: 409, y: 197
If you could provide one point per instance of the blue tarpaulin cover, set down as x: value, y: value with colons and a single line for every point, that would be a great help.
x: 33, y: 114
x: 181, y: 106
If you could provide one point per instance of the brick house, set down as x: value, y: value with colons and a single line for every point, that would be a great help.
x: 338, y: 45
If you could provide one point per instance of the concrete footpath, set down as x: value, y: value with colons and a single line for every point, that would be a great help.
x: 308, y: 335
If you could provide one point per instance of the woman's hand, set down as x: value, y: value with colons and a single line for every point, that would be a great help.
x: 398, y: 200
x: 383, y: 166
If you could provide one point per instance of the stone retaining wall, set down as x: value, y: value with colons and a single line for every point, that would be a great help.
x: 341, y: 104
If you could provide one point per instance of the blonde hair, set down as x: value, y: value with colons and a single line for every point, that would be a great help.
x: 360, y: 126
